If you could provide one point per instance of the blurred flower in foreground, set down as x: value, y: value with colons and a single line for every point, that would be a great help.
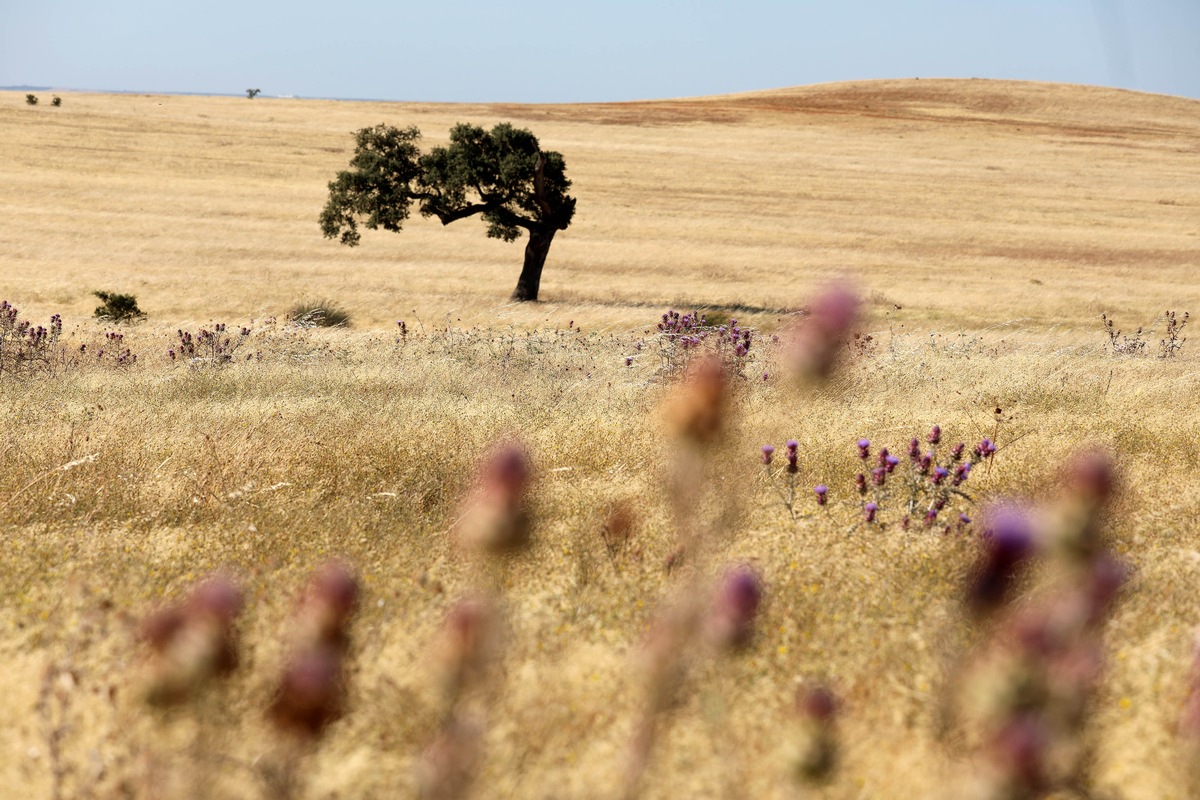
x: 468, y: 642
x: 821, y: 336
x: 448, y: 766
x: 497, y: 518
x: 194, y: 641
x: 813, y: 751
x: 311, y: 690
x: 1009, y: 541
x: 734, y: 608
x: 695, y: 411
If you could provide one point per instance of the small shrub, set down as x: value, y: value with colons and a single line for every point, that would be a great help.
x: 1123, y: 344
x: 681, y: 337
x: 1126, y: 345
x: 319, y: 314
x: 56, y: 102
x: 252, y: 93
x: 118, y: 307
x: 31, y: 99
x: 1172, y: 342
x: 24, y: 346
x: 208, y: 348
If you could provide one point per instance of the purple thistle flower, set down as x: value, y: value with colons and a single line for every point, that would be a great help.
x: 935, y: 435
x: 629, y: 361
x: 864, y: 449
x: 869, y: 512
x: 986, y: 449
x: 892, y: 461
x: 939, y: 475
x: 930, y: 517
x: 963, y: 519
x: 878, y: 476
x: 822, y: 493
x: 765, y: 376
x: 925, y: 463
x: 914, y: 450
x: 957, y: 452
x: 767, y: 452
x: 961, y: 473
x: 792, y: 466
x: 860, y: 483
x: 883, y: 456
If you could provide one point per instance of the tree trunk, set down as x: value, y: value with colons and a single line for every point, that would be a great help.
x: 535, y: 258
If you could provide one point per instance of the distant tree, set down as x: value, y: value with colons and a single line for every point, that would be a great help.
x: 118, y: 307
x: 252, y: 93
x: 31, y: 99
x: 501, y: 174
x: 56, y: 101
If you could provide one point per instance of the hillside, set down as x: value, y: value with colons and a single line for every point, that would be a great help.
x: 735, y: 200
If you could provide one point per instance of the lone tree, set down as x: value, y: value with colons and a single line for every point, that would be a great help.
x: 252, y: 93
x: 502, y: 175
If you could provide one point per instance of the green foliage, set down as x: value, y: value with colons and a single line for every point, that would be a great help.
x: 31, y: 99
x: 118, y: 307
x: 56, y: 101
x: 502, y: 175
x: 319, y: 314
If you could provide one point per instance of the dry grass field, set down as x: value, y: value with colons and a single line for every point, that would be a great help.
x: 986, y: 226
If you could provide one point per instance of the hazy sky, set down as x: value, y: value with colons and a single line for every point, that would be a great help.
x: 568, y: 50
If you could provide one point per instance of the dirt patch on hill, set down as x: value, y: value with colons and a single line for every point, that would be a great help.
x: 1085, y: 111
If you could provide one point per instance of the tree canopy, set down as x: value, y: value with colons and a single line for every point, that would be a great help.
x: 502, y: 175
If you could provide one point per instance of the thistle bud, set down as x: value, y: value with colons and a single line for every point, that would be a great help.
x: 497, y: 519
x: 1009, y: 541
x: 193, y: 642
x: 696, y: 412
x: 326, y: 607
x: 311, y: 692
x: 821, y: 336
x: 734, y: 608
x: 814, y: 753
x: 467, y: 643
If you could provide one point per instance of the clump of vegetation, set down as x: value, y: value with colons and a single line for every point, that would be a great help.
x: 923, y: 488
x: 681, y: 337
x: 1133, y: 345
x: 27, y: 348
x: 319, y: 314
x: 117, y: 307
x: 252, y: 93
x: 31, y: 99
x: 56, y: 101
x: 208, y: 348
x: 24, y: 345
x: 1172, y: 342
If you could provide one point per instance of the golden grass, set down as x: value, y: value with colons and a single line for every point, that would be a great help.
x: 988, y: 223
